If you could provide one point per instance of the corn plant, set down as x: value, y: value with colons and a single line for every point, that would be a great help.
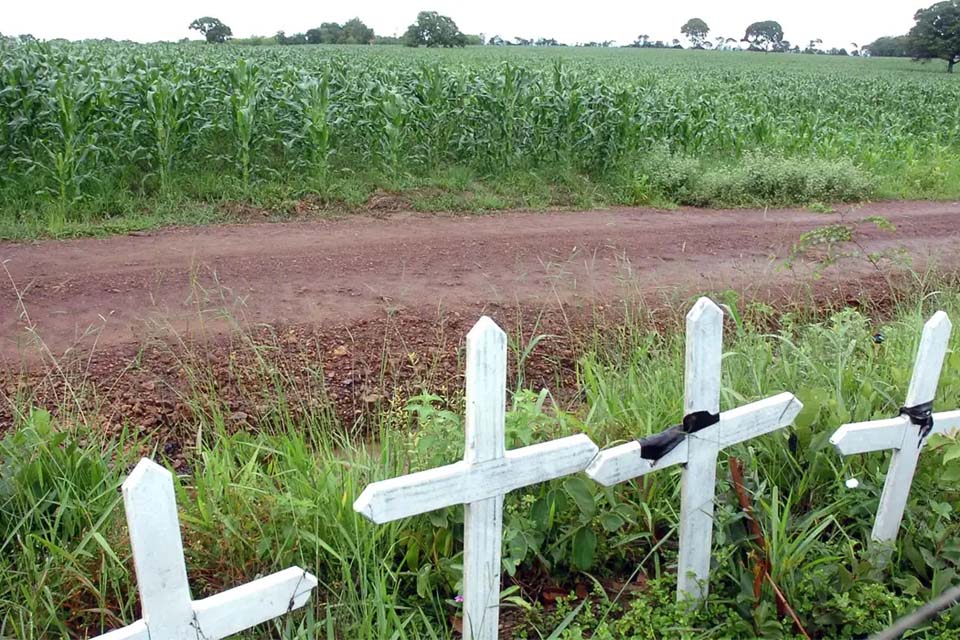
x: 393, y: 111
x: 310, y: 136
x: 164, y: 106
x: 244, y: 100
x: 70, y: 152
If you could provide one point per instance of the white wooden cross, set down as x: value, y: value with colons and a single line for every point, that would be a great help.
x: 698, y: 452
x: 900, y: 434
x: 169, y: 613
x: 480, y: 481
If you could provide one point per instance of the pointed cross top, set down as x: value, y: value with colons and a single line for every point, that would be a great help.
x: 151, y: 508
x: 930, y: 356
x: 704, y: 351
x: 486, y: 391
x: 704, y: 311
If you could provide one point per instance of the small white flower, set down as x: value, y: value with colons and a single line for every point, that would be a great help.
x: 853, y: 483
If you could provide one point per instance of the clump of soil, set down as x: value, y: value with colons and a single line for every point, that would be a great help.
x: 385, y: 202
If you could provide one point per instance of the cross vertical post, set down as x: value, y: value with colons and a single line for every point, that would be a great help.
x: 901, y: 434
x: 701, y: 392
x: 481, y: 480
x: 483, y: 520
x: 168, y: 610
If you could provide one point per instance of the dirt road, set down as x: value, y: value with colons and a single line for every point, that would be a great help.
x: 360, y: 268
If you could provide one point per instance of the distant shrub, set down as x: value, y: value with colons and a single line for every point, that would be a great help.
x: 661, y: 175
x: 761, y: 179
x: 755, y: 180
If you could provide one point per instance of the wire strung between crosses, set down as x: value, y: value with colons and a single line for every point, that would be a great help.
x: 660, y: 444
x: 292, y: 604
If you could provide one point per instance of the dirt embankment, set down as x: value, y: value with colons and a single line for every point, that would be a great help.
x: 338, y: 297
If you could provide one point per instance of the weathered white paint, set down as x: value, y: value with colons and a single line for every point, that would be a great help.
x: 890, y: 433
x: 899, y: 434
x: 464, y: 483
x: 701, y: 392
x: 699, y: 451
x: 168, y: 610
x: 623, y: 462
x: 480, y: 481
x: 486, y: 398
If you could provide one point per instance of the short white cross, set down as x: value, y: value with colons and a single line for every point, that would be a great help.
x: 698, y: 452
x: 168, y: 611
x: 480, y: 480
x: 900, y: 434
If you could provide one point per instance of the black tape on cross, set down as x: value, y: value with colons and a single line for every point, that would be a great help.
x: 922, y: 416
x: 660, y: 444
x: 693, y: 422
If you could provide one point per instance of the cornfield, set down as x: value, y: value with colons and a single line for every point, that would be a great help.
x: 86, y: 122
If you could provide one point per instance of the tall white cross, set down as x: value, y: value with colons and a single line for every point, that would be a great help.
x: 480, y: 481
x: 900, y: 434
x: 169, y: 613
x: 698, y: 451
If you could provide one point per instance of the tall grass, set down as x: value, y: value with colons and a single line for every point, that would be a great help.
x: 256, y: 501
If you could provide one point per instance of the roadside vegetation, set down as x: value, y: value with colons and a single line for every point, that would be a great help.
x: 581, y: 561
x: 107, y: 137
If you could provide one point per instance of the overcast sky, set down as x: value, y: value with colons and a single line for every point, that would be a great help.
x: 837, y: 22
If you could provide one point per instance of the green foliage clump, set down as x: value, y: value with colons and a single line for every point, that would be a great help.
x: 759, y: 179
x: 696, y: 30
x: 434, y: 30
x: 59, y: 501
x: 755, y: 180
x: 212, y: 29
x: 49, y: 483
x: 937, y: 33
x: 764, y: 35
x: 890, y: 47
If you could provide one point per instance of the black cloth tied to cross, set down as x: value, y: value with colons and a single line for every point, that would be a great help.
x: 922, y: 416
x: 660, y: 444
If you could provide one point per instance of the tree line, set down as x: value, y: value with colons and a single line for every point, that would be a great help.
x: 430, y: 30
x: 766, y: 36
x: 936, y: 35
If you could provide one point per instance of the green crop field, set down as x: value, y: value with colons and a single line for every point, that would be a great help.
x: 104, y: 135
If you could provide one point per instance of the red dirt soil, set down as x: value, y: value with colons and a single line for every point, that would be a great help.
x: 344, y: 284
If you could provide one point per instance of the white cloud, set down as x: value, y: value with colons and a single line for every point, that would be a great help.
x: 838, y: 23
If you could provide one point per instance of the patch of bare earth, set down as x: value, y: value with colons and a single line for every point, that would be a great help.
x: 354, y: 313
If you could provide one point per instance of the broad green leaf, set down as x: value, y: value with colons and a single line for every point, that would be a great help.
x: 581, y: 492
x: 584, y: 548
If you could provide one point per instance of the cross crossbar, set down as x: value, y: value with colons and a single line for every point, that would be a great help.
x: 624, y: 462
